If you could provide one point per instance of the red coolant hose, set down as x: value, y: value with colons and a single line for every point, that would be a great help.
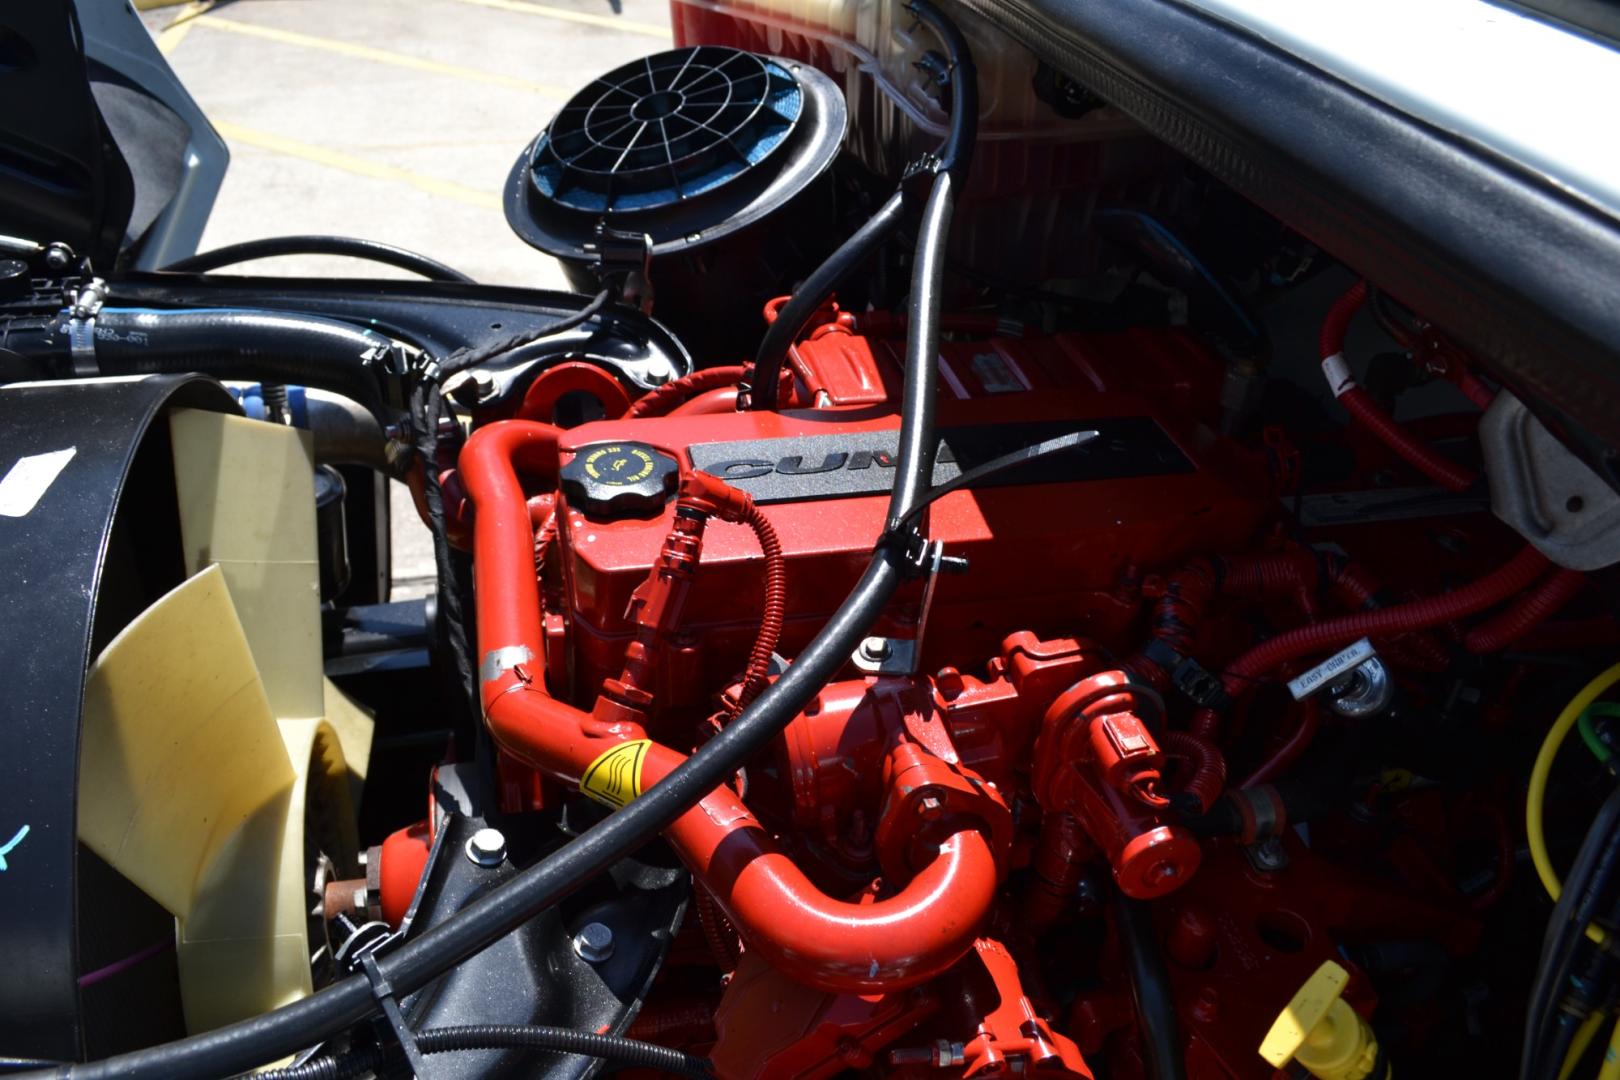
x: 906, y: 938
x: 770, y: 622
x: 1471, y: 599
x: 1533, y: 609
x: 660, y: 401
x: 1367, y: 412
x: 1208, y: 777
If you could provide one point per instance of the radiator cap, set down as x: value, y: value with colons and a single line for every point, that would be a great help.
x: 619, y: 479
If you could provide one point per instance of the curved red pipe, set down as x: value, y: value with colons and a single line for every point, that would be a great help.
x: 659, y: 402
x: 1368, y: 413
x: 826, y: 943
x: 1533, y: 609
x: 723, y: 400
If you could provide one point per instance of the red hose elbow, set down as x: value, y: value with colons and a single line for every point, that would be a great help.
x: 826, y: 943
x: 1208, y: 765
x: 1535, y: 608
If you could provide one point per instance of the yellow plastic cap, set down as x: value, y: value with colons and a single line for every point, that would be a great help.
x: 1321, y: 1032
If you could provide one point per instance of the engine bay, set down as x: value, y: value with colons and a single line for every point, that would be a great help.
x: 955, y: 591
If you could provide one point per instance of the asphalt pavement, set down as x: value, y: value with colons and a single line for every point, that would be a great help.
x: 393, y: 120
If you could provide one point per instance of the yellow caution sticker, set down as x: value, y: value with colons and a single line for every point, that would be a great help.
x: 615, y: 777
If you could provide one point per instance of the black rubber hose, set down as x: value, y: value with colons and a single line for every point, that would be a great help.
x: 465, y: 358
x: 610, y: 1048
x: 914, y: 472
x: 231, y: 343
x: 347, y: 246
x: 807, y: 299
x: 1150, y: 987
x: 229, y: 1050
x: 954, y: 158
x: 956, y: 155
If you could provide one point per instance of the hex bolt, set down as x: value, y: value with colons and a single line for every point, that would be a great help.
x: 1268, y: 855
x: 876, y: 648
x: 930, y: 804
x: 58, y: 257
x: 594, y: 942
x: 487, y: 847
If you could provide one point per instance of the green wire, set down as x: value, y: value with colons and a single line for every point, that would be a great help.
x: 1589, y: 731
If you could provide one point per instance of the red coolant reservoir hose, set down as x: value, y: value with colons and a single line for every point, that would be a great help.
x: 1367, y: 412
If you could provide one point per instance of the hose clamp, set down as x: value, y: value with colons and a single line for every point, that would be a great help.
x: 81, y: 328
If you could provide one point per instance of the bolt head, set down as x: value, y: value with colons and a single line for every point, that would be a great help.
x: 876, y: 648
x: 487, y: 847
x: 930, y: 805
x: 594, y: 942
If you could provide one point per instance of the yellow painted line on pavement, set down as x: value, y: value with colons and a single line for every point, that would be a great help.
x: 359, y: 166
x: 588, y: 18
x: 172, y: 35
x: 378, y: 56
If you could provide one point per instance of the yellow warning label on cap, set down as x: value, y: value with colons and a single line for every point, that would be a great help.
x: 615, y: 777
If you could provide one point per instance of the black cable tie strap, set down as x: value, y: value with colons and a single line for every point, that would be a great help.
x: 384, y: 993
x: 995, y: 465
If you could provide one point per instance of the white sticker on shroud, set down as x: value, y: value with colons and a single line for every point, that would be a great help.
x: 28, y: 480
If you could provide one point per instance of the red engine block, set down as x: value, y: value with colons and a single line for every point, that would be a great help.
x: 928, y: 817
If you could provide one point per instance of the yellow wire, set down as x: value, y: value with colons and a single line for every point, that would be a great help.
x: 1577, y: 1049
x: 1610, y: 1069
x: 1537, y: 795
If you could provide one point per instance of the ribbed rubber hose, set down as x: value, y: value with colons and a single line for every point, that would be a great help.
x: 268, y: 346
x: 445, y: 1040
x: 1533, y: 608
x: 775, y: 611
x: 1471, y: 599
x: 243, y: 1045
x: 1208, y: 777
x: 678, y: 391
x: 348, y: 247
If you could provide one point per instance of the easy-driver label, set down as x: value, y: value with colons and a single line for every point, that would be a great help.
x: 615, y: 777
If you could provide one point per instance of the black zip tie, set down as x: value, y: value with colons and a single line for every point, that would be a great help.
x: 969, y: 477
x: 384, y: 993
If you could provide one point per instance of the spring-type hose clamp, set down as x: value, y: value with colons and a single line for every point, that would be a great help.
x: 81, y: 328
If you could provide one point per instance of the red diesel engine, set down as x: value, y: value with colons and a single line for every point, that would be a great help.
x: 1027, y: 682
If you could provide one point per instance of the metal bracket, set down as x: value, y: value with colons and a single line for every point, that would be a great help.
x: 1545, y: 492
